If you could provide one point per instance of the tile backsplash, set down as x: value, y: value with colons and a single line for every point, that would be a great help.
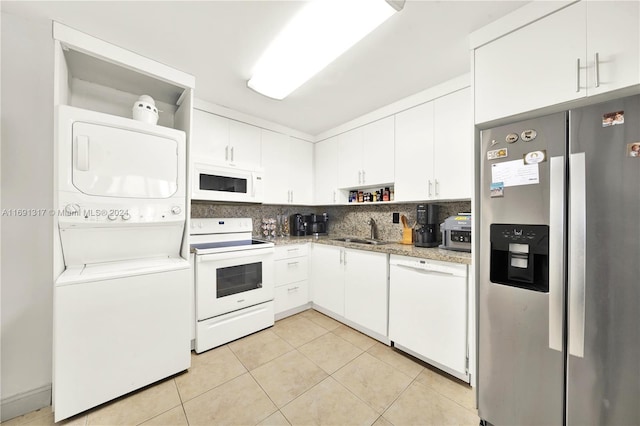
x: 345, y: 220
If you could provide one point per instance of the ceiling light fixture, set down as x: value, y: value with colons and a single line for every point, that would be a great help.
x: 317, y: 35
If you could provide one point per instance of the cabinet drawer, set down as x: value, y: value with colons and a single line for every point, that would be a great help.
x: 291, y: 251
x: 291, y: 296
x: 291, y: 270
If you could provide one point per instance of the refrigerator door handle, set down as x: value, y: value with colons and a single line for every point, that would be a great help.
x: 556, y: 250
x: 577, y: 253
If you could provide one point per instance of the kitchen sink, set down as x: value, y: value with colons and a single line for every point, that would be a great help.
x: 368, y: 241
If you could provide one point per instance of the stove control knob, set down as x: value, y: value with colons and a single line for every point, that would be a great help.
x: 112, y: 217
x: 176, y: 210
x: 72, y: 210
x: 126, y: 216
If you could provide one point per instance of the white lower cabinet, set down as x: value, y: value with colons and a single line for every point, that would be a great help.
x: 291, y: 296
x: 352, y: 285
x: 365, y: 289
x: 327, y: 279
x: 291, y: 279
x: 428, y: 312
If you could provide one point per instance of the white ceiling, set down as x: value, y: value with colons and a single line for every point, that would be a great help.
x: 219, y: 41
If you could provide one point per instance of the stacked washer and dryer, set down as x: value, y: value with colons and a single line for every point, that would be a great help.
x: 121, y: 306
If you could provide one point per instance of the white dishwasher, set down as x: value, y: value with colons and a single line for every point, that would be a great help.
x: 428, y: 312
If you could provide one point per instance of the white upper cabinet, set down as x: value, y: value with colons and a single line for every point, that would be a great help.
x: 301, y: 171
x: 209, y: 136
x: 453, y: 146
x: 288, y: 169
x: 434, y: 149
x: 365, y: 155
x: 326, y: 172
x: 378, y: 152
x: 533, y: 67
x: 223, y: 141
x: 414, y: 153
x: 350, y: 158
x: 613, y: 35
x: 275, y: 158
x: 585, y: 49
x: 244, y: 144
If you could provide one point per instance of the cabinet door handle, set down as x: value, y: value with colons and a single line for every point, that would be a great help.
x: 292, y: 195
x: 226, y: 153
x: 359, y: 176
x: 430, y: 186
x: 341, y: 256
x: 293, y: 289
x: 596, y: 61
x: 437, y: 187
x: 254, y: 179
x: 578, y: 75
x: 345, y: 257
x: 231, y: 153
x: 363, y: 180
x: 292, y: 263
x: 334, y: 196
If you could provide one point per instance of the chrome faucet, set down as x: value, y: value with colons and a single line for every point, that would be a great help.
x: 372, y: 224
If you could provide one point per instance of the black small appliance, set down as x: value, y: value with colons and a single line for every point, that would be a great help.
x: 317, y: 224
x: 298, y: 225
x: 426, y: 234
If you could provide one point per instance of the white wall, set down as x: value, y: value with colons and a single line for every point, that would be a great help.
x: 26, y: 178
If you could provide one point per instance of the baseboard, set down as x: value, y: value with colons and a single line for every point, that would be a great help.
x: 292, y: 311
x: 25, y: 402
x: 364, y: 330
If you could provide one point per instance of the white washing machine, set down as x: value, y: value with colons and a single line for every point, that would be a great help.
x: 121, y: 306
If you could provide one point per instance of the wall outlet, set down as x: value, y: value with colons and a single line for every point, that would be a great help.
x: 396, y: 218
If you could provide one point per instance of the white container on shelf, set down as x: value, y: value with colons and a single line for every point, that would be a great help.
x: 144, y: 109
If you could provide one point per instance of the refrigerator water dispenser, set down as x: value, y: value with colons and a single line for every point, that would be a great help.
x: 520, y: 256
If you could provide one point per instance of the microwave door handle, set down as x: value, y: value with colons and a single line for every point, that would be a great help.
x: 82, y: 153
x: 254, y: 179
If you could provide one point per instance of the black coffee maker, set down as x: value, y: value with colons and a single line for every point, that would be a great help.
x: 298, y: 225
x: 317, y: 224
x: 426, y: 234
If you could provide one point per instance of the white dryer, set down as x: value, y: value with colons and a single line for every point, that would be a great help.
x: 121, y: 306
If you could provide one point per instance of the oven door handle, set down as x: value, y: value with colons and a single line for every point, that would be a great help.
x: 238, y: 254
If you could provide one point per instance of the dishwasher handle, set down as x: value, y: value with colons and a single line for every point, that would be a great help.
x: 427, y: 267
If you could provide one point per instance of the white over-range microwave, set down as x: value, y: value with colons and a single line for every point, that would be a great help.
x: 220, y: 183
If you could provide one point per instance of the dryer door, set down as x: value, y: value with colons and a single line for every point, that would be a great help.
x: 114, y: 162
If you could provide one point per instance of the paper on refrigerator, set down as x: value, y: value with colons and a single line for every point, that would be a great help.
x: 515, y: 173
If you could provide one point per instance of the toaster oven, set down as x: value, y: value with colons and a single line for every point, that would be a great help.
x: 456, y: 233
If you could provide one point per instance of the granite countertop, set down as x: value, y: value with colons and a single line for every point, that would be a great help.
x: 390, y: 248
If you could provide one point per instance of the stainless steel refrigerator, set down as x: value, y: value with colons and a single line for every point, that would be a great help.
x: 559, y: 283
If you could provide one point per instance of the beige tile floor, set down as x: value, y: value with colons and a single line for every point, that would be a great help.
x: 306, y: 370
